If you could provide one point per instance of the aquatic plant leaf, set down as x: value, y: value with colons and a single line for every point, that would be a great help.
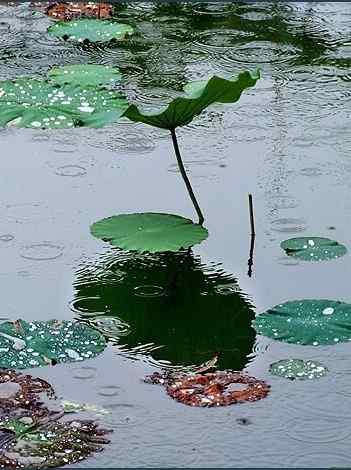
x: 41, y: 104
x: 85, y: 75
x: 313, y: 248
x: 151, y: 232
x: 298, y: 369
x: 309, y: 321
x: 38, y: 343
x: 182, y: 110
x: 70, y: 10
x: 90, y: 30
x: 54, y: 445
x: 213, y: 389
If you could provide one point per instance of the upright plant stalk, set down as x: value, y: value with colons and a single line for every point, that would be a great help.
x: 185, y: 177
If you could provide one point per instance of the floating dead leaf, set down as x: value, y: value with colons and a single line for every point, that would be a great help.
x: 219, y: 388
x: 66, y: 11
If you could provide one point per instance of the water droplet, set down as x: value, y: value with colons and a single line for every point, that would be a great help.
x: 42, y: 251
x: 71, y: 170
x: 149, y: 291
x: 6, y: 238
x: 328, y: 311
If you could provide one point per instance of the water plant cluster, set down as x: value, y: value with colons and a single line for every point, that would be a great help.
x: 32, y: 432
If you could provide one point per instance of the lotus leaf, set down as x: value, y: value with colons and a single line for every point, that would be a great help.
x: 36, y: 343
x: 149, y: 232
x: 200, y: 95
x: 40, y: 104
x: 92, y: 30
x: 298, y: 369
x: 313, y: 248
x: 308, y: 321
x: 84, y: 74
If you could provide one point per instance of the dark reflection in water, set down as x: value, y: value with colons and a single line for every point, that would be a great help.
x: 169, y: 307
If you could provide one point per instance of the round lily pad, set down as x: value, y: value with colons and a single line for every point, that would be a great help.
x: 298, y: 369
x: 92, y: 30
x: 313, y: 248
x: 149, y: 232
x: 40, y: 104
x: 34, y: 344
x: 309, y: 321
x: 85, y: 74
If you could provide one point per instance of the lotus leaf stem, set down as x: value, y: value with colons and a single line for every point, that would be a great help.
x: 185, y: 177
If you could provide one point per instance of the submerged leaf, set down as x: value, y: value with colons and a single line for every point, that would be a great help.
x: 307, y: 321
x: 298, y: 369
x: 151, y: 232
x: 90, y: 30
x: 40, y: 104
x: 313, y: 248
x: 38, y: 343
x: 71, y: 10
x: 181, y: 111
x: 84, y: 74
x: 75, y: 407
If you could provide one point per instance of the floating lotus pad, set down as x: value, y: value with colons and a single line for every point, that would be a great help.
x: 149, y: 232
x: 212, y: 389
x: 92, y: 30
x: 40, y: 104
x: 313, y: 248
x: 84, y: 75
x: 24, y: 345
x: 298, y: 369
x: 309, y: 321
x: 200, y: 95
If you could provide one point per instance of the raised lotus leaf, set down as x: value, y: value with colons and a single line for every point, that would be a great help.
x: 41, y: 104
x: 53, y: 445
x: 92, y: 30
x: 200, y: 95
x: 309, y: 321
x: 38, y: 343
x: 313, y: 248
x: 149, y: 232
x: 298, y: 369
x: 85, y: 74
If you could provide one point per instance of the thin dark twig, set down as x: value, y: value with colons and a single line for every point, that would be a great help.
x: 252, y: 221
x: 185, y: 177
x: 253, y: 236
x: 251, y: 254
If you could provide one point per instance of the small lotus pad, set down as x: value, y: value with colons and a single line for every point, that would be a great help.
x: 298, y: 369
x: 313, y: 248
x: 92, y: 30
x: 24, y: 345
x: 150, y: 232
x: 310, y: 321
x: 40, y: 104
x: 85, y: 74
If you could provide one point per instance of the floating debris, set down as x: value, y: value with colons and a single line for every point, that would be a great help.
x: 34, y: 344
x: 313, y: 248
x: 54, y: 445
x: 75, y: 407
x: 31, y: 434
x: 308, y: 321
x: 219, y: 388
x: 72, y: 10
x: 298, y: 369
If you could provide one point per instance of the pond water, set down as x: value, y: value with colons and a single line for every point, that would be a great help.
x: 287, y: 141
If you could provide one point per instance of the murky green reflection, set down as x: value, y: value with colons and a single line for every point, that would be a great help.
x: 177, y: 309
